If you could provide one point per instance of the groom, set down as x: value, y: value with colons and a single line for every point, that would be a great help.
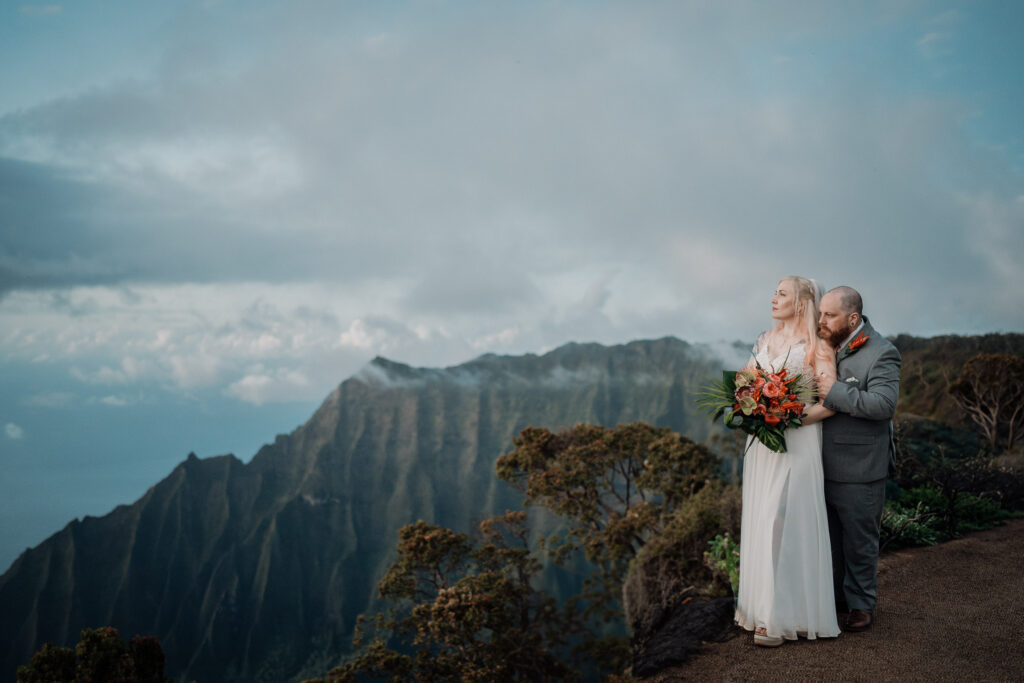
x: 857, y: 448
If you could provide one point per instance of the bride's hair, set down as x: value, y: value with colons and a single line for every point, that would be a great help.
x: 808, y: 297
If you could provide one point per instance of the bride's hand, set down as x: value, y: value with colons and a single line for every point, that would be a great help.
x: 815, y: 413
x: 825, y: 382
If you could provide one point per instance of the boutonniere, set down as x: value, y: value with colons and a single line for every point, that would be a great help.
x: 851, y: 349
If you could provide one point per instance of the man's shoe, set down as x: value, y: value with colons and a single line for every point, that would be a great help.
x: 859, y: 620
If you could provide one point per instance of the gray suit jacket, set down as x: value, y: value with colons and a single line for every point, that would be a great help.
x: 857, y: 442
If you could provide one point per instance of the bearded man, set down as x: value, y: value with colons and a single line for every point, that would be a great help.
x: 858, y: 451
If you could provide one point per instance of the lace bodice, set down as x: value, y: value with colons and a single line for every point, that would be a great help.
x: 793, y: 358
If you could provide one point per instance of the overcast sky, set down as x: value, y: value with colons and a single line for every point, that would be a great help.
x: 241, y: 203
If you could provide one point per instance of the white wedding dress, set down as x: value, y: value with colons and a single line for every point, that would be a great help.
x: 785, y: 559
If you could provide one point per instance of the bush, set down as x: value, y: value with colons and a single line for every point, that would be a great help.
x: 100, y: 656
x: 724, y: 558
x: 465, y: 610
x: 670, y: 566
x: 955, y: 461
x: 619, y: 490
x: 948, y: 513
x: 49, y: 664
x: 903, y: 527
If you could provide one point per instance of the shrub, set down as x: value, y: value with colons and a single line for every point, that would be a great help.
x: 956, y: 461
x: 951, y: 513
x: 465, y: 610
x: 670, y: 566
x: 49, y: 664
x: 904, y: 527
x: 618, y: 489
x: 724, y: 558
x: 100, y: 656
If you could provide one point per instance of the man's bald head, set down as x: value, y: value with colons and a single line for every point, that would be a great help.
x: 849, y: 299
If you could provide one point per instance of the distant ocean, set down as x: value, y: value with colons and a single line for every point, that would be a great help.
x: 78, y: 456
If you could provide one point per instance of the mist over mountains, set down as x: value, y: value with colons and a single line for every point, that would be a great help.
x: 257, y: 571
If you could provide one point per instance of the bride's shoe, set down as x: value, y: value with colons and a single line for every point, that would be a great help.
x: 762, y: 638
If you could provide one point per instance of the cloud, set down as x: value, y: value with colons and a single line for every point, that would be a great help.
x: 429, y: 189
x: 521, y: 171
x: 375, y: 333
x: 262, y: 386
x: 129, y: 371
x: 13, y: 431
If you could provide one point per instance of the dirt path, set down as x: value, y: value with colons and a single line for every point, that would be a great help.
x: 953, y: 612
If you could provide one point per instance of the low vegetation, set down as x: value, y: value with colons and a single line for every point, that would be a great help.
x: 101, y: 656
x: 640, y: 504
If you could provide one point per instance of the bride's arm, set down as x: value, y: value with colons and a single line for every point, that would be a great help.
x: 823, y: 365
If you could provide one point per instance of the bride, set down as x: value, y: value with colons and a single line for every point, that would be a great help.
x: 785, y: 560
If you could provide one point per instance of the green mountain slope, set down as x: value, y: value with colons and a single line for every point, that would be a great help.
x: 257, y: 571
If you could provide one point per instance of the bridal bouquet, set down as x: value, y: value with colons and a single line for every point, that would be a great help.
x: 760, y: 402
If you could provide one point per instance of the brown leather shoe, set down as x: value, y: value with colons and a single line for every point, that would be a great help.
x: 859, y: 620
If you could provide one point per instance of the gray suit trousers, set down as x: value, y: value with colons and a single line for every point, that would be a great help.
x: 854, y: 514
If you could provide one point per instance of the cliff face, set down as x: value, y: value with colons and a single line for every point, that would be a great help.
x: 257, y: 571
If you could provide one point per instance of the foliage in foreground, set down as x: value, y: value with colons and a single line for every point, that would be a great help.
x: 467, y: 610
x: 947, y: 483
x: 928, y: 515
x: 101, y: 656
x: 956, y: 461
x: 616, y: 488
x: 723, y: 556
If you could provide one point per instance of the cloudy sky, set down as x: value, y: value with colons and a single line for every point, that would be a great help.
x: 213, y: 212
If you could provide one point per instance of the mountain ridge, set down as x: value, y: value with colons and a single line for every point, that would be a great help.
x: 256, y: 571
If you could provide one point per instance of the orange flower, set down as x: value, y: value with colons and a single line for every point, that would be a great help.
x: 771, y: 420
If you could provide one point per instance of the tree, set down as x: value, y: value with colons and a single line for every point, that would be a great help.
x: 101, y: 656
x: 466, y: 611
x: 617, y: 488
x: 990, y: 390
x: 49, y: 664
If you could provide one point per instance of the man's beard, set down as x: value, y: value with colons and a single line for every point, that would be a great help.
x: 834, y: 338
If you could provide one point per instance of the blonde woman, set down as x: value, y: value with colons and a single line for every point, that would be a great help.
x: 785, y: 560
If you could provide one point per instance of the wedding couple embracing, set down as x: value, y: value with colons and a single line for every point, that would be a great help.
x: 811, y: 514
